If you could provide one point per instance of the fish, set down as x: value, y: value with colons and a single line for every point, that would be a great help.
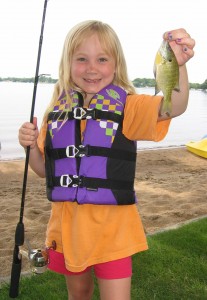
x: 166, y: 73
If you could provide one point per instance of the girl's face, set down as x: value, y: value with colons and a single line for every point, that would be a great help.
x: 92, y: 68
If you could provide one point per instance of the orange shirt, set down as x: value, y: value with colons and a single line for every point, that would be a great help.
x: 90, y: 234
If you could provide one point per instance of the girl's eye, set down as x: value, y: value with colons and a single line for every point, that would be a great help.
x: 81, y: 59
x: 103, y: 59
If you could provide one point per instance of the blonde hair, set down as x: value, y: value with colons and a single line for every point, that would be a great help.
x: 109, y: 42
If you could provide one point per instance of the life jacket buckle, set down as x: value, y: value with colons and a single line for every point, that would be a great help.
x: 79, y: 113
x: 83, y: 150
x: 91, y: 113
x: 65, y: 180
x: 80, y: 181
x: 76, y: 180
x: 71, y: 151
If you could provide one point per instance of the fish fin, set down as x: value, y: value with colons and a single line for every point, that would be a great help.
x: 177, y: 87
x: 154, y: 70
x: 157, y: 89
x: 166, y: 107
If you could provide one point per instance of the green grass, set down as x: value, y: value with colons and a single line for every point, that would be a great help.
x: 175, y: 268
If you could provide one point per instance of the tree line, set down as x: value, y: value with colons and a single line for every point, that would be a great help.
x: 43, y: 79
x: 147, y: 82
x: 138, y: 82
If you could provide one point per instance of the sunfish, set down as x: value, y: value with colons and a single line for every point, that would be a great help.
x: 166, y: 72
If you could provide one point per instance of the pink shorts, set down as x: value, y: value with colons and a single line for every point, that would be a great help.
x: 117, y: 269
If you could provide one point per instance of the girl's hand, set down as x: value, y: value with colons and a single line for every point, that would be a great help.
x: 28, y: 134
x: 181, y: 43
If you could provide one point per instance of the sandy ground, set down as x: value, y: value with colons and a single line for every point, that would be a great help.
x: 170, y: 185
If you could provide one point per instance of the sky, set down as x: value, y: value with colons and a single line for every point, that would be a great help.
x: 139, y: 25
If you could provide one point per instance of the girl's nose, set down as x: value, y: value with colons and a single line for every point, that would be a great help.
x: 91, y: 68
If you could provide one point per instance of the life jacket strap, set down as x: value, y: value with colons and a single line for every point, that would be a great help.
x: 80, y: 113
x: 91, y: 183
x: 72, y: 151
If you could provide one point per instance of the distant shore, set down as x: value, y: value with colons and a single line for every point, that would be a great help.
x: 137, y: 82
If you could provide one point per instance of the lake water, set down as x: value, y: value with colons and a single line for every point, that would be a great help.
x: 15, y: 104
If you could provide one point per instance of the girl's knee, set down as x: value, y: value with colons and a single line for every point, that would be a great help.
x: 80, y: 287
x: 81, y: 293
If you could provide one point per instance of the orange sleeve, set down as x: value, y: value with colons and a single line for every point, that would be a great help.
x: 140, y: 118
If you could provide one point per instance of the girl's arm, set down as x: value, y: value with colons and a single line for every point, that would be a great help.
x: 182, y: 45
x: 28, y: 134
x: 36, y: 161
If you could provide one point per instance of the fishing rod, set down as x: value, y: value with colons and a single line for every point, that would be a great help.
x: 19, y: 233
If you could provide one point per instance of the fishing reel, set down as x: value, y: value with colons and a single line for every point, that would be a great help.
x: 38, y: 259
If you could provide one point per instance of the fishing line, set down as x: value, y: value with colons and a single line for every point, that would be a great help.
x: 19, y: 233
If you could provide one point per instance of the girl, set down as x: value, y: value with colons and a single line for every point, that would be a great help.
x: 86, y: 150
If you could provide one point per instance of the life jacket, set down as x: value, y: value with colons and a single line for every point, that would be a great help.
x: 99, y: 167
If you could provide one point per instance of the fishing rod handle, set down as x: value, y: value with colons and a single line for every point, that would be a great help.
x: 15, y: 276
x: 15, y: 273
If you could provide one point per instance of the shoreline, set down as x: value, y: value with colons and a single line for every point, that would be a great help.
x: 170, y: 185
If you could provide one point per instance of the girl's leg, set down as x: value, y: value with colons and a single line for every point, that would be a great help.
x: 114, y: 279
x: 80, y: 287
x: 115, y: 289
